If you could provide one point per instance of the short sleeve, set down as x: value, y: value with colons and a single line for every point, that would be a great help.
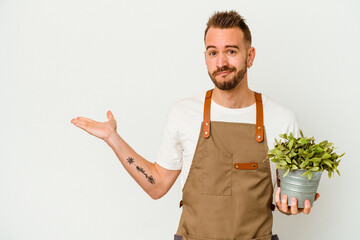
x: 170, y: 152
x: 293, y: 126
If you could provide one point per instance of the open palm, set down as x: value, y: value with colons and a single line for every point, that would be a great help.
x: 99, y: 129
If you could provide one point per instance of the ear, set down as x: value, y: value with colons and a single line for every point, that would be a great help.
x: 251, y: 56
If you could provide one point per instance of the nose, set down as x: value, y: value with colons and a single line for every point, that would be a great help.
x: 222, y: 61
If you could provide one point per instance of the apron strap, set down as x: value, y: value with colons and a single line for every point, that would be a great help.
x: 206, y: 121
x: 259, y: 116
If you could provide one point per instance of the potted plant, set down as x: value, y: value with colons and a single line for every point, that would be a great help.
x: 301, y: 162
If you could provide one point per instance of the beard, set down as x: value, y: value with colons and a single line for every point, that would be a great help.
x: 228, y: 85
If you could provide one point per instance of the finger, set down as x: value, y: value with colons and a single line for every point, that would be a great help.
x: 284, y: 206
x: 307, y: 208
x: 80, y: 124
x: 317, y: 196
x: 85, y: 119
x: 109, y: 115
x: 76, y: 119
x: 277, y: 197
x: 294, y: 207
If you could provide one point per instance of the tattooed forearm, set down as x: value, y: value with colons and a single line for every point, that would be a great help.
x: 150, y: 178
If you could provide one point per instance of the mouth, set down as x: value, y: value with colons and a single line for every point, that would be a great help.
x: 223, y: 73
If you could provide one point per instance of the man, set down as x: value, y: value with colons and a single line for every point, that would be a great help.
x: 218, y: 140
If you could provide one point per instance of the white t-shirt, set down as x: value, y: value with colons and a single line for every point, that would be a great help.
x: 183, y: 124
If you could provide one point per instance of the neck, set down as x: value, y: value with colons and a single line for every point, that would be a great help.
x: 239, y: 97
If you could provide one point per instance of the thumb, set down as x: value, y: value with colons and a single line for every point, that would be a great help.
x: 109, y: 115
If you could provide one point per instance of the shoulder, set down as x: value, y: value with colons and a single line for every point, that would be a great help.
x: 279, y: 119
x: 189, y: 105
x: 278, y: 112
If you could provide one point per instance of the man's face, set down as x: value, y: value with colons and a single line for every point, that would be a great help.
x: 226, y: 57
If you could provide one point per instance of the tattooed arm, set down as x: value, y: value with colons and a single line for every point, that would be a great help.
x: 155, y: 180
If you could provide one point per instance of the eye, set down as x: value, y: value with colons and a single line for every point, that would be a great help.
x: 212, y: 53
x: 231, y: 51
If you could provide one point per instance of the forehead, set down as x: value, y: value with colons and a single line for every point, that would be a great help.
x: 221, y: 37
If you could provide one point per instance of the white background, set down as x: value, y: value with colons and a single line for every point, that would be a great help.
x: 68, y: 58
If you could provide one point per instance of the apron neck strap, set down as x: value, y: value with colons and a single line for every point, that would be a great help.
x: 206, y: 121
x: 259, y: 116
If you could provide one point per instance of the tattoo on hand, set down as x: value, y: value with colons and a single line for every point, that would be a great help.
x: 150, y: 178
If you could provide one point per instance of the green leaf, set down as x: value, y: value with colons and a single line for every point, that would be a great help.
x: 305, y: 173
x: 288, y: 159
x: 314, y: 169
x: 281, y: 147
x: 318, y: 149
x: 310, y: 155
x: 292, y: 153
x: 301, y: 133
x: 304, y: 164
x: 279, y: 152
x: 316, y: 160
x: 291, y: 143
x: 323, y: 143
x: 325, y: 156
x: 327, y: 162
x: 310, y: 175
x: 283, y: 163
x: 286, y: 172
x: 294, y: 167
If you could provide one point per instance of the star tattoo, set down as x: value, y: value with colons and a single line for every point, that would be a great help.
x: 130, y: 160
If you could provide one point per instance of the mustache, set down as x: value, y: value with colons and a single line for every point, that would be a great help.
x: 223, y: 69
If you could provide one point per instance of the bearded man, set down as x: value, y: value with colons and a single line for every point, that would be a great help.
x: 217, y: 141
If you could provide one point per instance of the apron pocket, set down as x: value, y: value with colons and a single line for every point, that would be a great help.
x: 216, y: 170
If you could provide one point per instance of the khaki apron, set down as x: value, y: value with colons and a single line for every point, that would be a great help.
x: 228, y: 192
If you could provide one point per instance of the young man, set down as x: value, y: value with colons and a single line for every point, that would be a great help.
x: 218, y: 140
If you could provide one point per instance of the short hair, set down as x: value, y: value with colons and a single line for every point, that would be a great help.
x: 229, y: 20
